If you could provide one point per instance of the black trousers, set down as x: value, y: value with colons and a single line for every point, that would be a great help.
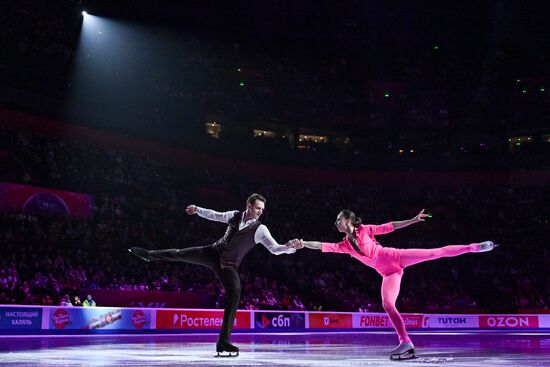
x: 229, y: 277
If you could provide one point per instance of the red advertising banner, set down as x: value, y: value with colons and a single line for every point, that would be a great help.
x: 199, y: 319
x: 38, y: 200
x: 19, y: 319
x: 330, y: 321
x: 508, y: 321
x: 371, y: 321
x: 381, y: 321
x: 413, y: 321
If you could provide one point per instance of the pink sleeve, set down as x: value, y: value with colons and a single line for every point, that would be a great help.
x: 376, y: 229
x: 333, y: 247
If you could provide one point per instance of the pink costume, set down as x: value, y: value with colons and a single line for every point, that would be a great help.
x: 390, y: 262
x: 385, y: 260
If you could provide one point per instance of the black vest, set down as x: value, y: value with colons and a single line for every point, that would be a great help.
x: 235, y: 244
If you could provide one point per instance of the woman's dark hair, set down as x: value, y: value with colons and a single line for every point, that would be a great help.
x: 348, y: 214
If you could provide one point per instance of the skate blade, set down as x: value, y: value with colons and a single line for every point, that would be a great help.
x: 403, y: 356
x: 228, y: 355
x: 142, y: 258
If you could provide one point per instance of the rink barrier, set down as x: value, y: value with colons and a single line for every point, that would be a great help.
x: 19, y: 319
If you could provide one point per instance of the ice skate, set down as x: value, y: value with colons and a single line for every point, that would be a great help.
x: 226, y: 349
x: 140, y: 252
x: 486, y: 246
x: 403, y: 351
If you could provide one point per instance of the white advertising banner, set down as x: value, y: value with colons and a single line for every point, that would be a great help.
x: 544, y: 321
x: 442, y: 321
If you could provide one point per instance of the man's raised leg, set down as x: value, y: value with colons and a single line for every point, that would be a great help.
x: 200, y: 255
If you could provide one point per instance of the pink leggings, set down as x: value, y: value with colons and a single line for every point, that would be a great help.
x: 392, y: 283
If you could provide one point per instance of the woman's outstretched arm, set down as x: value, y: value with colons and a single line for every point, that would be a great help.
x: 314, y: 245
x: 420, y: 217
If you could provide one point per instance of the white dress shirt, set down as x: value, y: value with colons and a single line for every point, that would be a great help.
x: 262, y: 234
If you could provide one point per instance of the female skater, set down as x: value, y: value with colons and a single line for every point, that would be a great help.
x: 389, y: 262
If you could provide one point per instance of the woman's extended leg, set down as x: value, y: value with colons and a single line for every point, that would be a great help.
x: 414, y: 256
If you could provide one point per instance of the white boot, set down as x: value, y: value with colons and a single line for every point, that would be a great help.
x: 403, y: 351
x: 486, y: 246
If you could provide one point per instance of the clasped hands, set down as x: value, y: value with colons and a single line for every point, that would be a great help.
x: 295, y: 243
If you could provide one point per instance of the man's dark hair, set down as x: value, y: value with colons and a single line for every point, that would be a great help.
x: 252, y: 199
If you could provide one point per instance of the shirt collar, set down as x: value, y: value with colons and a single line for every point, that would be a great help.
x: 248, y: 222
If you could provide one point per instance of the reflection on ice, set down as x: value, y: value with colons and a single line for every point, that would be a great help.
x: 334, y: 349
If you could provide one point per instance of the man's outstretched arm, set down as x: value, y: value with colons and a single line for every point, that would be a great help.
x: 210, y: 214
x: 264, y: 237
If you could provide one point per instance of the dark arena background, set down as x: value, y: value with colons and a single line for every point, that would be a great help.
x: 121, y: 121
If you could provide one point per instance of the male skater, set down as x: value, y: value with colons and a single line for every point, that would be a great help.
x: 225, y: 255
